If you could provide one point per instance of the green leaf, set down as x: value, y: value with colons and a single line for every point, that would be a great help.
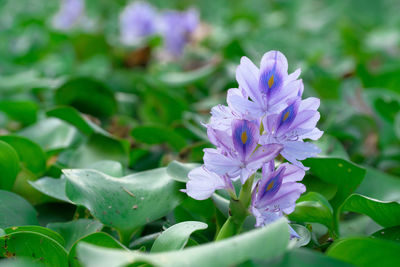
x: 37, y: 229
x: 88, y: 96
x: 53, y: 187
x: 313, y: 207
x: 15, y: 211
x: 124, y: 203
x: 35, y: 246
x: 51, y: 134
x: 98, y: 148
x: 364, y: 251
x: 9, y: 166
x: 385, y: 213
x: 176, y: 237
x: 75, y: 230
x: 263, y: 243
x: 158, y: 134
x: 187, y: 78
x: 99, y: 239
x: 179, y: 171
x: 22, y: 111
x: 302, y: 257
x: 30, y: 154
x: 380, y: 185
x: 73, y: 117
x: 345, y: 174
x: 391, y: 233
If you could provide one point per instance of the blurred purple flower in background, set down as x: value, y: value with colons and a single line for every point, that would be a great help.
x: 176, y: 28
x: 69, y: 14
x: 137, y: 21
x: 265, y: 116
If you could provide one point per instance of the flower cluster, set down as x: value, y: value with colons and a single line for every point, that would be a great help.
x: 266, y: 116
x: 70, y: 12
x: 140, y: 20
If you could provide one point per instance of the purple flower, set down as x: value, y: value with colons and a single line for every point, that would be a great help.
x: 238, y: 153
x: 70, y: 12
x: 203, y: 183
x: 291, y: 126
x: 137, y: 21
x: 264, y: 91
x: 276, y: 193
x: 176, y: 28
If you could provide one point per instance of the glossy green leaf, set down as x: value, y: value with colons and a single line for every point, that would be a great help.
x: 302, y: 257
x: 313, y: 207
x: 37, y: 229
x: 362, y: 251
x: 263, y: 243
x: 53, y: 187
x: 88, y: 96
x: 37, y: 247
x: 345, y: 174
x: 177, y: 236
x: 15, y: 211
x: 187, y: 78
x: 157, y: 135
x: 99, y: 148
x: 73, y: 117
x: 9, y: 166
x: 99, y: 239
x: 179, y: 171
x: 30, y: 154
x: 22, y: 111
x: 124, y: 203
x: 391, y: 233
x: 74, y: 230
x: 385, y: 213
x: 52, y: 134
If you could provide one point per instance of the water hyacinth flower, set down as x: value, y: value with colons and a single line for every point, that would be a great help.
x: 69, y: 14
x: 266, y: 90
x: 291, y: 126
x: 265, y: 116
x: 176, y: 28
x: 276, y: 193
x: 137, y: 21
x: 238, y: 154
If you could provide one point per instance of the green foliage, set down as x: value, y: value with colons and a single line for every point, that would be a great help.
x: 97, y: 138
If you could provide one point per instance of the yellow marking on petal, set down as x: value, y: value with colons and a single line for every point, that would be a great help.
x: 244, y: 137
x: 271, y: 81
x: 271, y: 184
x: 286, y: 115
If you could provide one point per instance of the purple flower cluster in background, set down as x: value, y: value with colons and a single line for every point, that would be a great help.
x: 266, y: 116
x: 140, y: 20
x: 70, y: 12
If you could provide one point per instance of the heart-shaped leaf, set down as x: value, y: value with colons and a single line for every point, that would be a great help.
x: 9, y: 166
x: 37, y: 229
x: 176, y: 237
x: 362, y: 251
x: 385, y: 213
x: 391, y: 233
x: 313, y: 207
x: 22, y: 111
x: 263, y: 243
x: 99, y: 239
x: 40, y: 249
x: 15, y: 211
x: 124, y: 203
x: 157, y: 134
x: 75, y: 230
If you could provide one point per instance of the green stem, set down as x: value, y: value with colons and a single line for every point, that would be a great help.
x: 125, y: 238
x: 238, y: 212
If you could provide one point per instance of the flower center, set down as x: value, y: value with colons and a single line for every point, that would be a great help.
x: 271, y: 81
x: 243, y: 137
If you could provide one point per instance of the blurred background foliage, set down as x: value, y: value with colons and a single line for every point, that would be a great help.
x: 69, y: 99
